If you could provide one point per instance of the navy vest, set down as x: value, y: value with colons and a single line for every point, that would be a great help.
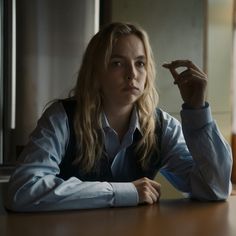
x: 132, y: 169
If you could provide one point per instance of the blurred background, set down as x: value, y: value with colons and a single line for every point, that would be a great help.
x: 42, y: 43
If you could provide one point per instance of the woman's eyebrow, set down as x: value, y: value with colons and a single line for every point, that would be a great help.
x: 141, y: 57
x: 117, y: 56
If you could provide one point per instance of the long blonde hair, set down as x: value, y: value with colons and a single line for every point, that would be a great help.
x: 87, y: 123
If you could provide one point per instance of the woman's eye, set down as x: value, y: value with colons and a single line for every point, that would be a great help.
x: 140, y: 63
x: 116, y: 63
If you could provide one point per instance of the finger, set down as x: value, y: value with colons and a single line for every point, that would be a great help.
x: 166, y: 65
x: 155, y: 185
x: 148, y: 199
x: 155, y: 188
x: 156, y: 193
x: 183, y: 63
x: 190, y: 71
x: 188, y: 74
x: 153, y: 197
x: 150, y: 195
x: 187, y: 79
x: 146, y: 195
x: 151, y: 190
x: 172, y: 71
x: 177, y: 63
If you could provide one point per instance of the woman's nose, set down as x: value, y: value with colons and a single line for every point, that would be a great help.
x: 131, y: 72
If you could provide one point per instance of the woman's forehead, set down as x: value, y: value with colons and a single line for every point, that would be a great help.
x: 128, y: 44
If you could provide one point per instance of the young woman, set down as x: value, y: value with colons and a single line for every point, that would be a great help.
x: 103, y: 146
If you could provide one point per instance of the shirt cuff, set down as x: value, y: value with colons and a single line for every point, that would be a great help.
x: 196, y: 118
x: 125, y: 194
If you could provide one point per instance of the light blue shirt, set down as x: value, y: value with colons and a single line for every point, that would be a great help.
x: 202, y: 168
x: 115, y: 148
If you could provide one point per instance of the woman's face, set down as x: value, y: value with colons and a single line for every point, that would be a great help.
x: 124, y: 80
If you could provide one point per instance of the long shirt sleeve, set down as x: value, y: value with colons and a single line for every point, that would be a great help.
x: 34, y: 185
x: 200, y: 161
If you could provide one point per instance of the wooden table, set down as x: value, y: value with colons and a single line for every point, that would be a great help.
x: 170, y: 217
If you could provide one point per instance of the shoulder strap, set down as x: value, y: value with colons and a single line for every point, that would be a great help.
x: 69, y: 106
x: 66, y: 168
x: 159, y: 126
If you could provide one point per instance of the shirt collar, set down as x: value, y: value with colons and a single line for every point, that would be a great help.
x: 133, y: 125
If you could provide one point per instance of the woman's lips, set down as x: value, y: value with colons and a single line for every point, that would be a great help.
x: 131, y: 88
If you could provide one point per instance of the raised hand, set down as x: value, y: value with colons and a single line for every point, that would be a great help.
x: 192, y: 82
x: 149, y: 191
